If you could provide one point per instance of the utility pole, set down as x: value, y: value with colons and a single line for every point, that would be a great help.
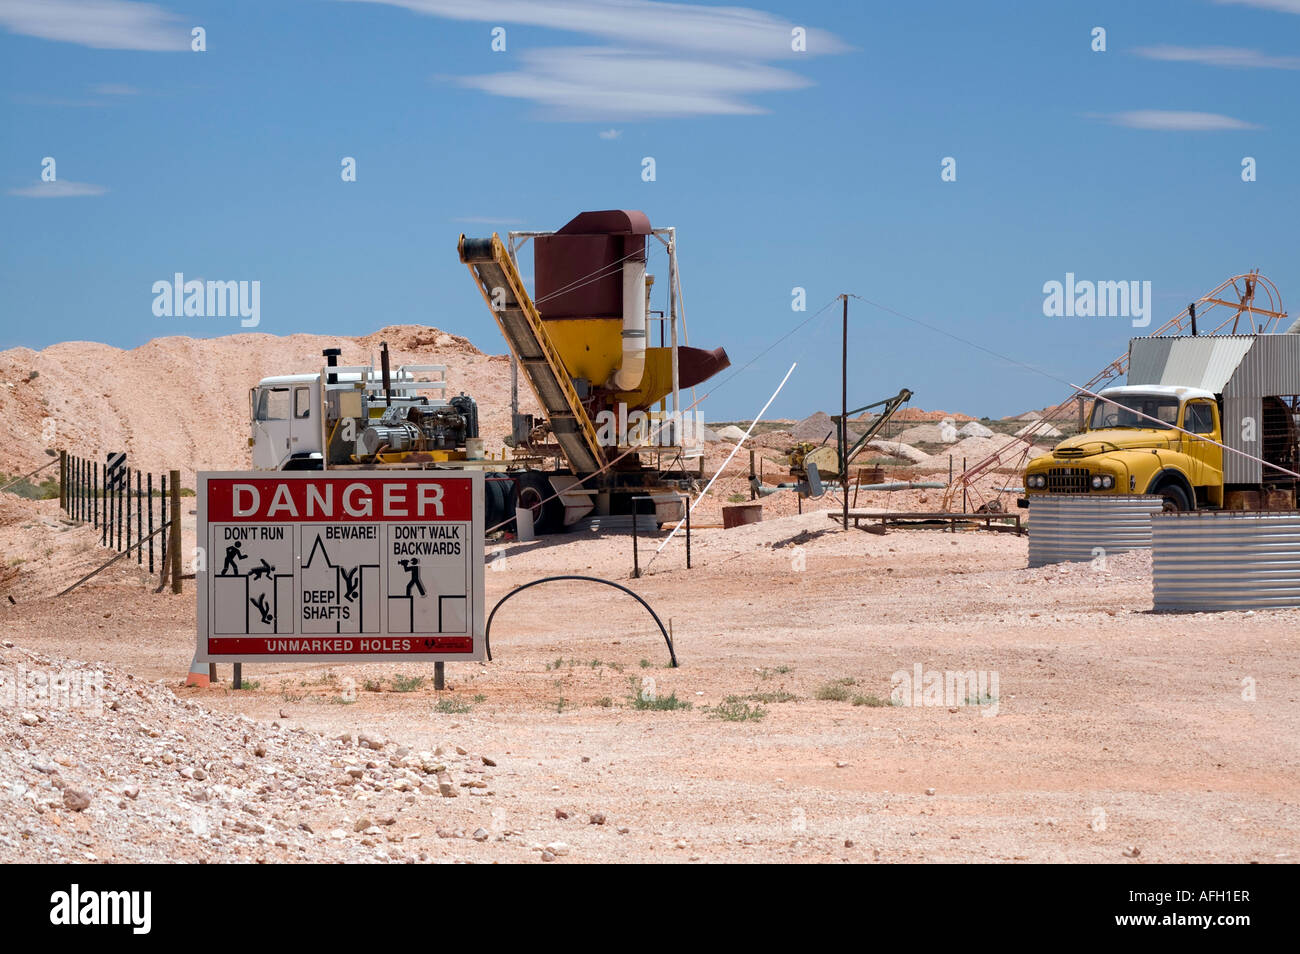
x: 844, y: 412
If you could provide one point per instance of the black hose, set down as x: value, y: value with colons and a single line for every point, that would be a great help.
x: 487, y: 635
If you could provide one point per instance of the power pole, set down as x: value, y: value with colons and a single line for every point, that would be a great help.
x: 844, y: 412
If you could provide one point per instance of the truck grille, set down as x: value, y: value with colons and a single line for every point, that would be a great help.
x: 1069, y: 480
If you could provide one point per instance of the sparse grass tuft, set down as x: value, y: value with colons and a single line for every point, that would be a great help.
x: 480, y: 698
x: 770, y: 697
x: 372, y: 685
x: 404, y: 683
x: 735, y: 709
x: 656, y: 703
x: 837, y: 690
x: 452, y: 706
x: 250, y: 684
x: 605, y: 702
x: 870, y: 700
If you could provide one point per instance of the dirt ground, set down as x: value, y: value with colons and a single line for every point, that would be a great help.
x: 1106, y: 733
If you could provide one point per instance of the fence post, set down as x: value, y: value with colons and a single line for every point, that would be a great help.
x: 162, y: 520
x: 95, y: 492
x: 688, y: 533
x: 139, y: 522
x: 174, y: 532
x: 127, y: 494
x: 108, y: 511
x: 117, y: 517
x: 636, y: 563
x: 149, y: 499
x: 63, y: 479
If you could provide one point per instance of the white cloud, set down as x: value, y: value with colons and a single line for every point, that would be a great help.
x: 1173, y: 120
x: 601, y: 83
x: 114, y: 89
x: 610, y: 133
x: 654, y: 59
x: 734, y: 31
x: 1229, y: 56
x: 1281, y: 6
x: 59, y: 189
x: 102, y: 24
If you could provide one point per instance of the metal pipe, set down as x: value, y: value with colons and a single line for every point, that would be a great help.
x: 487, y: 631
x: 843, y: 448
x: 672, y: 318
x: 632, y: 367
x: 906, y: 485
x: 387, y: 374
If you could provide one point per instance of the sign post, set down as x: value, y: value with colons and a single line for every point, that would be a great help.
x: 312, y: 566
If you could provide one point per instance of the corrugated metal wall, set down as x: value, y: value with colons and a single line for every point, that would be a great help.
x: 1072, y: 527
x: 1223, y: 560
x: 1238, y: 469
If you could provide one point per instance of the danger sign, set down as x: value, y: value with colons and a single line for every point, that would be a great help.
x: 313, y: 567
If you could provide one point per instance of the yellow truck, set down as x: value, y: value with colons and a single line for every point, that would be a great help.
x: 1160, y: 433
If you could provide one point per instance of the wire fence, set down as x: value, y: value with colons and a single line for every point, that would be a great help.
x: 135, y: 513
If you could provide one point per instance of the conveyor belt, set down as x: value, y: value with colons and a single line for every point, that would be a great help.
x: 521, y: 325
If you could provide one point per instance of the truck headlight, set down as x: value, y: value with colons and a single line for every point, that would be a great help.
x: 1096, y: 483
x: 1036, y: 481
x: 1107, y: 482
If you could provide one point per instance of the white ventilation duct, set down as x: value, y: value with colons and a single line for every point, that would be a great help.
x: 629, y: 373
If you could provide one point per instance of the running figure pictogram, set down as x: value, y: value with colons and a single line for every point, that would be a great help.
x: 233, y: 553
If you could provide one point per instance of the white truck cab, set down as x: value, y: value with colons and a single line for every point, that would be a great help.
x: 285, y: 420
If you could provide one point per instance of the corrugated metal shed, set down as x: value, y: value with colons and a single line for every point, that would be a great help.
x: 1147, y: 358
x: 1243, y: 368
x: 1208, y: 361
x: 1271, y: 367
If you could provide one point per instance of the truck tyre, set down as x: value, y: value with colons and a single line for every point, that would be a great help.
x: 1175, y: 498
x: 534, y: 491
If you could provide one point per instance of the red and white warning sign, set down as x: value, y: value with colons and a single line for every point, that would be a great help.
x: 313, y: 566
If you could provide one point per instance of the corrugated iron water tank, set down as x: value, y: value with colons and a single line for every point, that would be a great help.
x: 1075, y: 527
x: 1210, y: 561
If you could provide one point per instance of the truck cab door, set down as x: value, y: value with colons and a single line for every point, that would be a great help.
x: 1202, y: 417
x: 304, y: 428
x: 272, y: 437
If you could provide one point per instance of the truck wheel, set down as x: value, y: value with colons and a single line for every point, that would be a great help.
x: 1175, y: 498
x: 534, y: 489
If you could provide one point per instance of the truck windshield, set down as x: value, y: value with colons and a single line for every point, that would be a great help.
x: 1128, y: 409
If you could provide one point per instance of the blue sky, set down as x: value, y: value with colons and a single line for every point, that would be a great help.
x: 817, y: 169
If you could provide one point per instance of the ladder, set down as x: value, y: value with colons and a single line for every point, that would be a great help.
x: 522, y: 327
